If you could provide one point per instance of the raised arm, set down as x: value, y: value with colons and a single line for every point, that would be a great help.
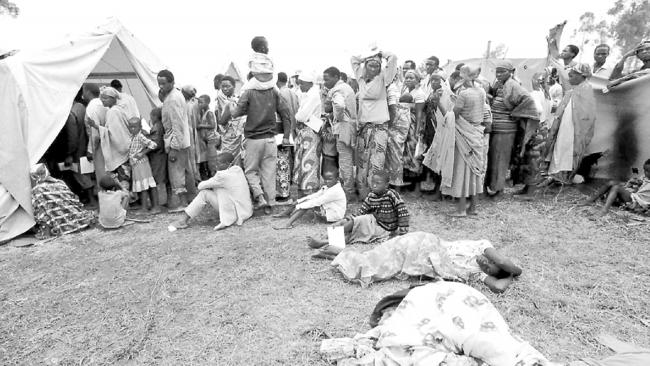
x: 391, y: 67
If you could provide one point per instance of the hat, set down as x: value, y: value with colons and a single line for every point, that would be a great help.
x: 307, y: 76
x: 504, y: 64
x: 110, y: 92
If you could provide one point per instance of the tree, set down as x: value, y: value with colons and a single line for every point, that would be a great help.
x: 592, y: 32
x: 632, y: 22
x: 629, y: 24
x: 7, y: 7
x: 499, y: 51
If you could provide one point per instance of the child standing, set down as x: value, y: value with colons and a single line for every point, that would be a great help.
x: 208, y: 139
x: 635, y: 193
x: 143, y: 182
x: 329, y: 202
x: 382, y: 214
x: 113, y: 202
x: 158, y: 156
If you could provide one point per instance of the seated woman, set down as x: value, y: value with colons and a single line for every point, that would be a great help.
x: 635, y: 193
x: 425, y: 254
x: 57, y: 210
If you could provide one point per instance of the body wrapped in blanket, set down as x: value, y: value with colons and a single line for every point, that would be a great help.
x: 442, y: 323
x: 425, y: 254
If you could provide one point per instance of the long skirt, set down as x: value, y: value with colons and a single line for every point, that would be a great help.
x: 284, y: 169
x: 412, y: 162
x: 397, y: 133
x: 464, y: 182
x: 501, y: 145
x: 371, y: 153
x: 306, y: 171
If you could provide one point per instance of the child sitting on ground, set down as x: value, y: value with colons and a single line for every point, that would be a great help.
x: 329, y: 202
x: 635, y: 193
x: 382, y: 214
x: 208, y: 138
x: 261, y: 66
x: 143, y: 182
x: 113, y: 203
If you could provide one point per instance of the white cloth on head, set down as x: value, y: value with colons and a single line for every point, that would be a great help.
x: 308, y: 76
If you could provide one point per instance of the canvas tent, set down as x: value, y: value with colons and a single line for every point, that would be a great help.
x: 37, y: 89
x: 233, y: 71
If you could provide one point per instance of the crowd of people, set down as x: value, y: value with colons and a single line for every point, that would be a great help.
x: 337, y: 139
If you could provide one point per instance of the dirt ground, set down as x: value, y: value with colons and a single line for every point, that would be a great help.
x: 253, y: 296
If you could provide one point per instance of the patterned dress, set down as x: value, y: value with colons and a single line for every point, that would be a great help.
x: 57, y: 209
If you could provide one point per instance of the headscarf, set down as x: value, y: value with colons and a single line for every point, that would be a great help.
x: 504, y: 64
x: 415, y: 74
x: 470, y: 72
x: 582, y: 69
x: 39, y: 173
x: 307, y: 76
x: 110, y: 92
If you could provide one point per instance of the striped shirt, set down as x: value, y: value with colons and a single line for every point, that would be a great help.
x: 389, y: 209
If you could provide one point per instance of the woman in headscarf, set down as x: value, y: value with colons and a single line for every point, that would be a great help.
x: 306, y: 170
x: 413, y: 98
x: 511, y: 106
x: 231, y: 132
x: 573, y: 127
x: 373, y: 116
x: 469, y: 147
x: 115, y: 137
x: 57, y: 210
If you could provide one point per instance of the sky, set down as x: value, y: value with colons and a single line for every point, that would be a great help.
x: 196, y: 39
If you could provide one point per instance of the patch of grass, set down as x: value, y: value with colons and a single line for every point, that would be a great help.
x: 251, y: 295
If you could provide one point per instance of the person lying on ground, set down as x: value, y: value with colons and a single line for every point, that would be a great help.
x: 425, y: 254
x: 113, y: 203
x: 227, y: 192
x: 444, y: 323
x: 382, y: 214
x: 635, y: 193
x: 328, y: 203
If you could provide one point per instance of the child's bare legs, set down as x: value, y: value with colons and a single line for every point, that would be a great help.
x: 155, y: 205
x: 601, y: 192
x: 294, y: 216
x: 143, y: 200
x: 616, y: 192
x: 286, y: 213
x: 319, y: 243
x: 461, y: 208
x: 471, y: 209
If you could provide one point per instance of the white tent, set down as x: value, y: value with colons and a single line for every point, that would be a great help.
x: 37, y: 89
